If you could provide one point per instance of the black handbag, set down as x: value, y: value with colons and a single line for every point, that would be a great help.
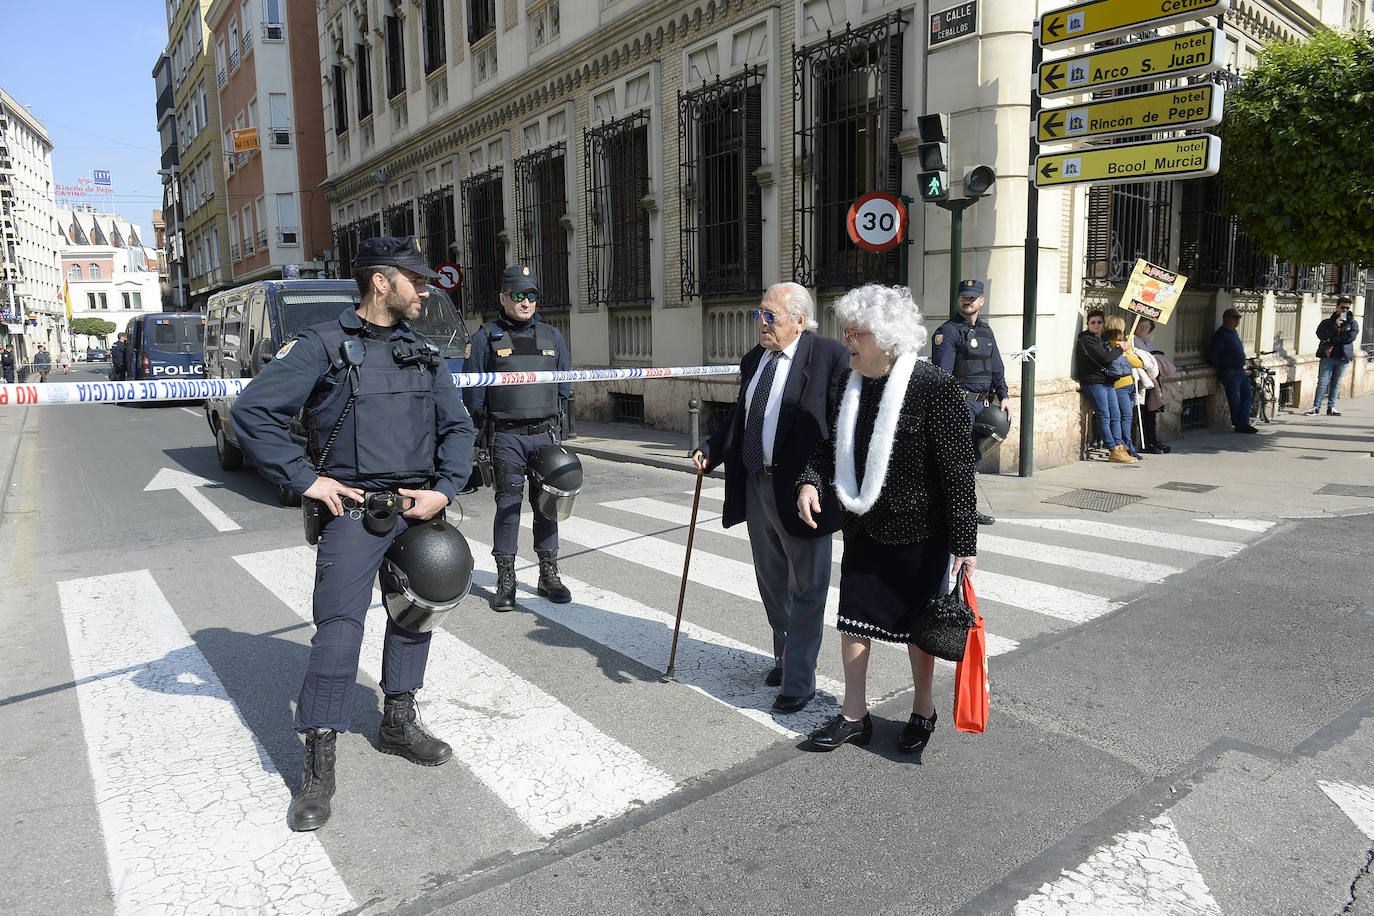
x: 943, y: 630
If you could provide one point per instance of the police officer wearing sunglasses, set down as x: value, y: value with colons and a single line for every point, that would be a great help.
x: 523, y: 420
x: 389, y: 446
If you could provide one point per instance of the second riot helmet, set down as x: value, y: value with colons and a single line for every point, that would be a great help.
x: 426, y: 572
x: 555, y: 481
x: 993, y: 422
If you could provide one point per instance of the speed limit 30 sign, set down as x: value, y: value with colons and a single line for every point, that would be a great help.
x: 877, y: 222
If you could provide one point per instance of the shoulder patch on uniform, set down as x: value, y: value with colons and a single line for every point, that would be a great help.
x: 550, y: 352
x: 506, y: 352
x: 939, y: 339
x: 286, y: 348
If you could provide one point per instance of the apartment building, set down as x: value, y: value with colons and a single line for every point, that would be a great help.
x: 109, y: 272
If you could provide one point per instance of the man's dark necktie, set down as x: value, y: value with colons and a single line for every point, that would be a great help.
x: 753, y: 424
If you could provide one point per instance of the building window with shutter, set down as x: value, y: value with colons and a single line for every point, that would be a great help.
x: 434, y: 35
x: 481, y: 19
x: 340, y: 102
x: 719, y: 131
x: 848, y: 92
x: 395, y: 57
x: 436, y: 218
x: 542, y: 243
x: 399, y: 219
x: 483, y: 221
x: 617, y: 179
x: 1126, y: 222
x: 363, y: 56
x: 1213, y: 251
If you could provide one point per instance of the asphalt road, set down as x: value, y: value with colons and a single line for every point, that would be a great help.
x: 1181, y: 717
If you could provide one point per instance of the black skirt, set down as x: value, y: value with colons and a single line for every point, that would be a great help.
x: 886, y: 588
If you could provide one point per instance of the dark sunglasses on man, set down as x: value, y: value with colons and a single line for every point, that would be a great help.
x: 531, y: 295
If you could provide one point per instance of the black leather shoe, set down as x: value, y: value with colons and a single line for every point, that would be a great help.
x: 774, y: 678
x: 841, y: 731
x: 1156, y: 449
x: 785, y: 704
x: 916, y: 735
x: 1247, y: 428
x: 985, y: 519
x: 503, y: 599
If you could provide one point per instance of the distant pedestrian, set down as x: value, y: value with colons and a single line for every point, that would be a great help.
x: 1336, y: 349
x: 7, y: 364
x: 65, y: 361
x: 1227, y: 355
x: 119, y: 355
x: 42, y: 361
x: 1124, y: 387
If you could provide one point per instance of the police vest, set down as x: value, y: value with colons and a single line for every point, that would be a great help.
x: 973, y: 357
x: 521, y: 352
x: 388, y: 435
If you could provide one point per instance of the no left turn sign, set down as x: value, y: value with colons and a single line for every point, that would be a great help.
x: 450, y: 276
x: 877, y: 222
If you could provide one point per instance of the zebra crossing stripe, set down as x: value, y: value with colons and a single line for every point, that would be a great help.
x: 1243, y: 524
x: 550, y: 766
x: 1182, y: 542
x: 1355, y: 800
x: 1041, y: 598
x: 192, y: 809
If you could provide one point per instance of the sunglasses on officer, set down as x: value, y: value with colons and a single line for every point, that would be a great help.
x: 530, y: 294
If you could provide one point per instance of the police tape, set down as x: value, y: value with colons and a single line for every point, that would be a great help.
x: 64, y: 393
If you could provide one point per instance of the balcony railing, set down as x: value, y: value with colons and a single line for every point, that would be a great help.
x: 234, y: 252
x: 233, y: 61
x: 262, y: 239
x: 247, y: 42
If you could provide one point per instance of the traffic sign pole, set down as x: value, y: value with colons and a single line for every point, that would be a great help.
x: 1030, y: 289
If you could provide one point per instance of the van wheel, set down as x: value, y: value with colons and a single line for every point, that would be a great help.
x: 287, y: 497
x: 230, y: 458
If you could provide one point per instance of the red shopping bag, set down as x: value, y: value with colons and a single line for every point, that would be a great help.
x: 971, y: 674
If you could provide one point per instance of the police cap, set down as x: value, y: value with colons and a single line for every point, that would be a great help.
x: 518, y: 278
x: 393, y: 251
x: 971, y: 288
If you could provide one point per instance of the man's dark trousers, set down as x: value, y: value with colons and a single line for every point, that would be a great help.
x: 510, y: 452
x: 1239, y: 394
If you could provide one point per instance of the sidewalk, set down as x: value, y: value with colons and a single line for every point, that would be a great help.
x: 1295, y: 467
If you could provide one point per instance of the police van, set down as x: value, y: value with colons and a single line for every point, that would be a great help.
x: 166, y: 345
x: 245, y: 326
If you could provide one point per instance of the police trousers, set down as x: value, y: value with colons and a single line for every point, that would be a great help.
x: 346, y: 565
x: 510, y: 452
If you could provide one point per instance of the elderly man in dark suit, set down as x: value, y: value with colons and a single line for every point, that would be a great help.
x: 788, y: 386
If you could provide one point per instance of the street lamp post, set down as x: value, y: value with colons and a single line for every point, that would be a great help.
x: 171, y: 176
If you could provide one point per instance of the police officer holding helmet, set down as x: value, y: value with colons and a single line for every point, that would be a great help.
x: 966, y: 349
x: 389, y: 446
x: 524, y: 426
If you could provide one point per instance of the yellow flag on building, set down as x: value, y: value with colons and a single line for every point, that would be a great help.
x: 67, y: 298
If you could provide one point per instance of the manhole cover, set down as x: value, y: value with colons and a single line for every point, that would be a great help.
x: 1345, y: 489
x: 1186, y: 487
x: 1097, y: 500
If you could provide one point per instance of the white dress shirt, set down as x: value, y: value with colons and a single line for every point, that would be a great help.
x: 770, y: 413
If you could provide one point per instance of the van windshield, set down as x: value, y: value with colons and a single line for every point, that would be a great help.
x: 182, y: 334
x: 301, y: 309
x: 439, y: 322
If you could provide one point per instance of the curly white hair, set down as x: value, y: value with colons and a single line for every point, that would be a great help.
x: 889, y: 312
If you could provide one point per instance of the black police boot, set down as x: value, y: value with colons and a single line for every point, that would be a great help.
x: 550, y: 586
x: 401, y: 733
x: 310, y: 807
x: 504, y: 599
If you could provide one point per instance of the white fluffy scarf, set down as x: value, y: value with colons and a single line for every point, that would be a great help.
x: 858, y: 500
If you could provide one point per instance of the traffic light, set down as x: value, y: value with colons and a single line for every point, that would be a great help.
x: 978, y: 180
x: 932, y: 156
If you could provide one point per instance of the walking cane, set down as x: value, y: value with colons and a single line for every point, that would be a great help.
x: 686, y: 562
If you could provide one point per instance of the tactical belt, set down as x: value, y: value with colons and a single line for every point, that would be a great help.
x: 982, y: 396
x: 525, y: 427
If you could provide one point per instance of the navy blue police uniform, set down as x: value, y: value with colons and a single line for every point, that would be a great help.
x: 390, y: 420
x: 969, y: 353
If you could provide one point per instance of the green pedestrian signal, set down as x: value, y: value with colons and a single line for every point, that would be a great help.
x: 933, y: 186
x: 932, y: 156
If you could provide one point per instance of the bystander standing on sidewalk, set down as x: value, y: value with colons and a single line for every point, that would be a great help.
x: 1227, y: 355
x: 1154, y: 396
x: 42, y: 361
x: 1336, y: 349
x: 7, y: 364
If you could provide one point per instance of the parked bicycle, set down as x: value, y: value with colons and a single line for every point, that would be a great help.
x: 1266, y: 390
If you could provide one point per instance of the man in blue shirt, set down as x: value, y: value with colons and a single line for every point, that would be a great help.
x: 1227, y: 355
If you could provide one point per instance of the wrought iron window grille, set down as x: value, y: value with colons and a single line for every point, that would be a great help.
x: 437, y: 224
x: 399, y: 219
x: 484, y: 220
x: 847, y: 93
x: 542, y: 242
x: 720, y: 200
x: 617, y: 225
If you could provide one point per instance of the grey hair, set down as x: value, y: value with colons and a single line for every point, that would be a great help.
x: 798, y: 299
x: 889, y: 312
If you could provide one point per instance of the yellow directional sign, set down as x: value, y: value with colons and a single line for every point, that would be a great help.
x: 1186, y: 157
x: 1174, y: 56
x: 1173, y: 109
x: 1094, y: 20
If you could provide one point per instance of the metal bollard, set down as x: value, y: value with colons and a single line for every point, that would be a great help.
x: 693, y: 423
x: 572, y: 416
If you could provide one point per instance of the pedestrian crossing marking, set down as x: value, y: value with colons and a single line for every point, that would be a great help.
x: 1243, y: 524
x: 547, y: 764
x: 1356, y: 801
x: 189, y: 801
x: 1124, y: 533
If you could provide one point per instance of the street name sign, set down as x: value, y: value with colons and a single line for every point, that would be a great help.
x: 1095, y: 20
x: 1171, y: 57
x: 1185, y: 157
x: 955, y: 22
x: 1173, y: 109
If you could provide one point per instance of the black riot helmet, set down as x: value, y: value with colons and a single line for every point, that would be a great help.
x: 426, y: 572
x: 992, y: 422
x: 555, y: 481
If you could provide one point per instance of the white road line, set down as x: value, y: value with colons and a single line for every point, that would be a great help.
x: 187, y: 485
x: 1356, y: 801
x: 550, y: 766
x: 1244, y: 524
x: 1041, y: 597
x: 194, y: 413
x: 192, y: 809
x: 727, y: 671
x: 1183, y: 542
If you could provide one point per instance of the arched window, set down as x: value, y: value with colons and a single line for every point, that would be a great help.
x: 75, y: 272
x: 95, y: 271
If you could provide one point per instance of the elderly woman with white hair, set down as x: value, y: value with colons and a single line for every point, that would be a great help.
x: 900, y: 458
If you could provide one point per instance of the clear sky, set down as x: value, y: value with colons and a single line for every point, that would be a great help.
x: 85, y: 70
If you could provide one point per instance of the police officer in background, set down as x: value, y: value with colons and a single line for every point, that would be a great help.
x: 390, y: 445
x: 522, y: 419
x: 965, y: 348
